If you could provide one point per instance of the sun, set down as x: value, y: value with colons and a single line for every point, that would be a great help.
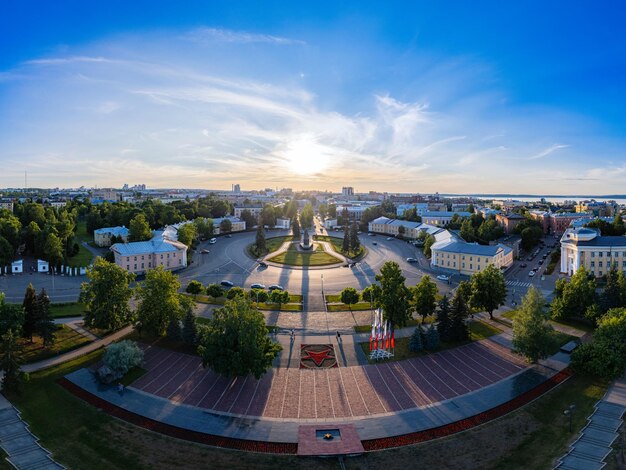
x: 304, y: 156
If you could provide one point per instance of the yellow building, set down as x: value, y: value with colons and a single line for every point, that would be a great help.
x: 469, y: 258
x: 586, y: 247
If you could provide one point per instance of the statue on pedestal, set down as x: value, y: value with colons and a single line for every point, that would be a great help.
x: 306, y: 240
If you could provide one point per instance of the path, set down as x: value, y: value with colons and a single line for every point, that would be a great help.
x: 21, y: 446
x: 594, y: 442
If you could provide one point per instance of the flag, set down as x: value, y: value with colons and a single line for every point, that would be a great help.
x: 393, y: 339
x: 385, y: 339
x: 388, y: 334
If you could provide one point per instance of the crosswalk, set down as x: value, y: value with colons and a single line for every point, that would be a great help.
x: 518, y: 284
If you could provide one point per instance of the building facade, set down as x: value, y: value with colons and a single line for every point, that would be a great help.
x: 391, y: 227
x: 237, y: 225
x: 469, y: 258
x: 138, y: 257
x: 441, y: 219
x: 509, y: 221
x: 587, y: 247
x: 102, y: 236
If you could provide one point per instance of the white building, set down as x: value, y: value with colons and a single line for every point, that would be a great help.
x: 330, y: 224
x: 102, y: 236
x: 440, y: 218
x: 354, y: 209
x: 347, y: 191
x: 283, y: 223
x: 237, y: 225
x: 586, y: 247
x: 420, y: 208
x: 254, y: 210
x: 138, y: 257
x: 17, y: 267
x: 8, y: 205
x: 391, y: 227
x: 42, y: 266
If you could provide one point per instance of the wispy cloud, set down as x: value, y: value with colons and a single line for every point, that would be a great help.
x: 547, y: 151
x: 212, y: 35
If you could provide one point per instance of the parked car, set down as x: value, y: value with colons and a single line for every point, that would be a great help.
x: 374, y: 243
x: 262, y: 264
x: 389, y: 238
x: 411, y: 260
x: 443, y: 277
x: 540, y: 262
x: 371, y: 234
x: 205, y: 251
x: 276, y: 287
x: 257, y: 286
x: 226, y: 283
x: 229, y: 236
x: 523, y: 265
x: 352, y: 265
x: 213, y: 241
x: 531, y: 274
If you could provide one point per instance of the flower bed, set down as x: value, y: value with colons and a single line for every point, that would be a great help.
x: 317, y: 356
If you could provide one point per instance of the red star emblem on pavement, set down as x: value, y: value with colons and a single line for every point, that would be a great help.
x: 318, y: 357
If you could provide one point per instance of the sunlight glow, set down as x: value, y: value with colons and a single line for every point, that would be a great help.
x: 304, y: 156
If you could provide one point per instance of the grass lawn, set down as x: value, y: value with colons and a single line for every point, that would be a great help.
x: 66, y: 340
x: 479, y: 330
x: 69, y: 309
x: 579, y: 325
x: 411, y: 322
x: 81, y: 259
x: 338, y: 245
x: 293, y: 257
x: 360, y: 306
x: 283, y: 307
x: 271, y: 244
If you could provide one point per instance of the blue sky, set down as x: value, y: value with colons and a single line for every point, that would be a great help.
x: 389, y: 96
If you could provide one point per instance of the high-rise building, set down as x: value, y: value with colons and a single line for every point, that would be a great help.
x: 236, y: 188
x: 347, y: 191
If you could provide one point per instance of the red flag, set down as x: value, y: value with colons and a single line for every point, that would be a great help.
x: 371, y: 342
x: 375, y: 342
x: 393, y: 339
x: 387, y: 343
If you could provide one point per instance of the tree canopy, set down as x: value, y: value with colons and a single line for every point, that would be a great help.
x: 236, y: 341
x: 488, y: 289
x: 532, y: 334
x: 158, y: 300
x: 424, y: 297
x: 394, y: 295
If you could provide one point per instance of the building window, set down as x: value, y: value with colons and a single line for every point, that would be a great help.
x: 608, y: 254
x: 600, y: 254
x: 161, y: 256
x: 471, y: 266
x: 624, y: 264
x: 463, y: 265
x: 142, y: 267
x: 593, y: 264
x: 470, y: 258
x: 142, y: 258
x: 127, y: 267
x: 600, y: 264
x: 135, y: 259
x: 135, y: 266
x: 593, y: 254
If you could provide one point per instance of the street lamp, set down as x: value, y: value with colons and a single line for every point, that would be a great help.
x: 569, y: 412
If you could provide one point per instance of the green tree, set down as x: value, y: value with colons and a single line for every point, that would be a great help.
x: 355, y: 243
x: 415, y: 343
x: 6, y: 252
x: 106, y: 296
x: 235, y: 292
x: 10, y: 229
x: 45, y: 327
x: 295, y: 228
x: 204, y: 227
x: 371, y: 294
x: 613, y: 293
x: 465, y: 290
x: 249, y: 218
x: 268, y: 216
x: 52, y: 249
x: 259, y: 295
x: 424, y: 297
x: 488, y: 289
x: 428, y: 243
x: 530, y: 237
x: 158, y: 301
x: 10, y: 352
x: 236, y: 342
x: 618, y: 224
x: 139, y: 229
x: 260, y: 240
x: 306, y: 216
x: 394, y: 295
x: 323, y: 210
x: 214, y: 290
x: 443, y: 319
x: 11, y: 317
x: 187, y: 234
x: 174, y: 332
x: 533, y: 336
x: 122, y: 357
x: 574, y: 298
x: 194, y: 288
x: 345, y: 243
x: 190, y: 328
x: 226, y: 226
x: 401, y: 231
x: 605, y: 356
x: 30, y: 318
x: 431, y: 338
x: 349, y: 296
x: 459, y: 311
x: 279, y: 297
x: 467, y: 231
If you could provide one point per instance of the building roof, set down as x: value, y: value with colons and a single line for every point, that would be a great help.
x: 115, y: 231
x: 147, y: 247
x: 470, y: 248
x: 612, y: 241
x: 445, y: 214
x: 512, y: 215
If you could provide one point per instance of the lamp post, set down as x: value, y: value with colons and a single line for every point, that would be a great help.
x: 569, y: 412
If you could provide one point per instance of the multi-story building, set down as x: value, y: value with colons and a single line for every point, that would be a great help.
x: 254, y: 210
x: 556, y: 222
x: 237, y: 225
x: 391, y: 227
x: 441, y: 219
x: 8, y: 205
x: 283, y: 223
x: 587, y: 247
x: 469, y: 258
x: 354, y: 209
x: 597, y: 208
x: 420, y: 208
x: 138, y: 257
x: 347, y: 191
x: 102, y: 236
x: 509, y: 221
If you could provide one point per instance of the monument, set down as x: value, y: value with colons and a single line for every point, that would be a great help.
x: 306, y: 244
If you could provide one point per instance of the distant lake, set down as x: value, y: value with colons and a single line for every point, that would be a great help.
x: 526, y: 198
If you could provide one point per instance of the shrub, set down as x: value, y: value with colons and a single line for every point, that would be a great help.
x: 119, y: 359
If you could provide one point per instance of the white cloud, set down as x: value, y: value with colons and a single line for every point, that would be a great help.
x: 212, y: 35
x: 547, y: 151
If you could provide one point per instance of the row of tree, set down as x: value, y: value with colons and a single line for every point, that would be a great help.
x: 351, y: 245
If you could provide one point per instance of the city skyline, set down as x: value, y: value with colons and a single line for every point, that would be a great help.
x: 389, y: 98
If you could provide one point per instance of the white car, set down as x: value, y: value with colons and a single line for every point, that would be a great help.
x: 389, y: 238
x: 212, y: 241
x: 411, y: 260
x: 443, y: 277
x: 531, y: 274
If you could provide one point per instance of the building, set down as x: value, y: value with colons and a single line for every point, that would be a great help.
x: 8, y: 205
x: 283, y: 223
x: 347, y: 191
x: 587, y: 247
x: 391, y: 227
x: 599, y: 209
x: 441, y: 219
x: 138, y: 257
x: 354, y: 210
x: 556, y: 222
x: 255, y: 210
x: 102, y: 236
x: 507, y: 204
x: 330, y: 224
x: 236, y: 188
x: 237, y: 225
x: 469, y: 258
x: 420, y: 208
x: 509, y: 221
